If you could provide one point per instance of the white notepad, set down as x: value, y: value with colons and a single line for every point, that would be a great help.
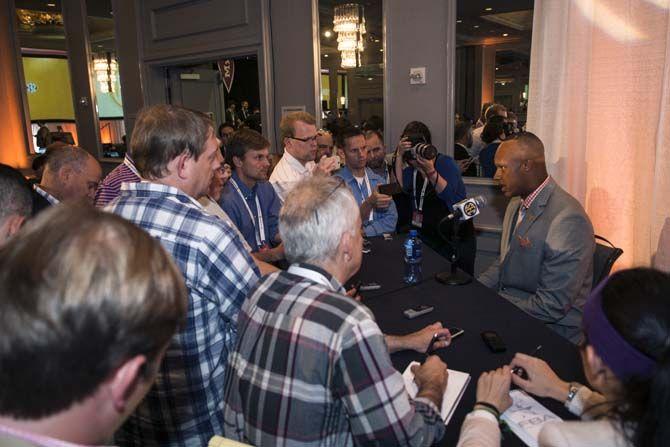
x: 526, y: 417
x: 456, y: 385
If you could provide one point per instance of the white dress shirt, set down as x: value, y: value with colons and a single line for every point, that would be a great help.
x: 288, y: 172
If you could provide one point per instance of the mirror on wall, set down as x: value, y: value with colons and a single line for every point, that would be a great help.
x: 493, y: 41
x: 352, y: 62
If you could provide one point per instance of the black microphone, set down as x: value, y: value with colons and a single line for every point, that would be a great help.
x: 467, y: 209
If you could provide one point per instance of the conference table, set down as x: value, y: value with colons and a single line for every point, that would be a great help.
x: 472, y: 307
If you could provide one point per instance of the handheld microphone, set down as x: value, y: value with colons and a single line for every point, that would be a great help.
x: 468, y: 208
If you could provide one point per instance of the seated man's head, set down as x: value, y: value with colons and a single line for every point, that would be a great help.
x: 374, y: 141
x: 176, y: 146
x: 297, y: 132
x: 352, y: 142
x: 463, y: 132
x: 16, y: 202
x: 71, y: 174
x: 324, y: 144
x: 520, y: 166
x: 90, y: 304
x: 249, y: 155
x: 320, y: 224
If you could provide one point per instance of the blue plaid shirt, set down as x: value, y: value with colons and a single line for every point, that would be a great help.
x: 185, y: 405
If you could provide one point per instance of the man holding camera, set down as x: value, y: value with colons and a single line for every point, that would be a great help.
x: 434, y: 184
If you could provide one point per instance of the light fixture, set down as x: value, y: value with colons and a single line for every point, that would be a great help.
x: 497, y: 68
x: 349, y: 24
x: 377, y: 40
x: 343, y: 101
x: 476, y: 26
x: 327, y: 33
x: 370, y: 79
x: 488, y: 9
x: 52, y: 5
x: 106, y: 69
x: 325, y: 55
x: 505, y: 34
x: 459, y: 21
x: 381, y: 50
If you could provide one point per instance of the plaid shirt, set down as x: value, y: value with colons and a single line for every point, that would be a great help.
x: 311, y: 368
x: 184, y: 407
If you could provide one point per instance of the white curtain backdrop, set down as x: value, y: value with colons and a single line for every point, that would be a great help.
x: 599, y: 98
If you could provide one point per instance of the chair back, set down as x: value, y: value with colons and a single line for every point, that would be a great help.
x: 604, y: 258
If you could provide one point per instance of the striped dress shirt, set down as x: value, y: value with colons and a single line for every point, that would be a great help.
x: 111, y: 186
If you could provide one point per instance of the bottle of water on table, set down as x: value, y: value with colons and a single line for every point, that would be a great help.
x: 413, y: 257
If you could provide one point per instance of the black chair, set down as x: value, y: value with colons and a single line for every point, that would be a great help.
x: 603, y: 259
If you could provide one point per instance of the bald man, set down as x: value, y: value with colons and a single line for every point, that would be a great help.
x: 70, y: 174
x: 546, y: 250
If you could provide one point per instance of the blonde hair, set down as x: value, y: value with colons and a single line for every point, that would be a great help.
x: 287, y: 125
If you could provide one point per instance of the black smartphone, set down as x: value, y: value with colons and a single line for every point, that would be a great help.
x: 493, y: 341
x: 390, y: 189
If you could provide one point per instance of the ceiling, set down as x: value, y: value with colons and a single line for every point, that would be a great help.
x: 508, y: 24
x: 51, y: 36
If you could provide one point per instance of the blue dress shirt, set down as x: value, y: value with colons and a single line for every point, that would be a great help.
x: 383, y: 220
x: 234, y: 205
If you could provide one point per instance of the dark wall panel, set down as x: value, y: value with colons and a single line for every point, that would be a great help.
x: 187, y: 27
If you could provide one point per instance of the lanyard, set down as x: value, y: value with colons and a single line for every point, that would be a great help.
x: 310, y: 274
x: 131, y: 166
x: 419, y: 206
x: 367, y: 186
x: 259, y: 230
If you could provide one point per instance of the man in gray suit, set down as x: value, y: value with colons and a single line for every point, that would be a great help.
x: 546, y: 249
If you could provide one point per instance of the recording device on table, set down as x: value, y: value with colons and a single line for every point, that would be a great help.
x: 464, y: 210
x: 494, y: 342
x: 417, y: 311
x: 419, y: 147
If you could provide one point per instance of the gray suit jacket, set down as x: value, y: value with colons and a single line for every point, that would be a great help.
x: 546, y: 265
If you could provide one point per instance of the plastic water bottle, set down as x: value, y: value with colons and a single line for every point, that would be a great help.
x: 413, y: 257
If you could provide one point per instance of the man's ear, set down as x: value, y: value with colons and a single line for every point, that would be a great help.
x: 600, y: 372
x: 14, y: 224
x: 65, y: 174
x: 345, y: 247
x: 180, y: 165
x: 125, y: 381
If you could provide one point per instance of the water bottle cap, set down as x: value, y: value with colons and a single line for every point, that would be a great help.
x: 412, y: 233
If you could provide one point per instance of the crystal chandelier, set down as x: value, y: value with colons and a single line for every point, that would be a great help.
x: 349, y: 24
x: 106, y: 69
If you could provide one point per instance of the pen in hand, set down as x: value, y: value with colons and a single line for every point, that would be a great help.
x: 519, y: 371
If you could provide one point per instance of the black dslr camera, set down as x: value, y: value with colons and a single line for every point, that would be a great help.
x: 419, y: 147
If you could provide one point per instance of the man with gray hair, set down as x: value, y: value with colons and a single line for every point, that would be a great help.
x: 311, y: 366
x: 16, y: 202
x: 70, y: 174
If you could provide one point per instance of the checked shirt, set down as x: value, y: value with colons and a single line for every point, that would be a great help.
x: 184, y: 407
x: 311, y: 368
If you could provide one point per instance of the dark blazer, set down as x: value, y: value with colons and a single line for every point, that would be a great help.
x: 461, y: 153
x: 546, y: 265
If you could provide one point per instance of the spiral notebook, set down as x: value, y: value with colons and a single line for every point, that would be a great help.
x: 456, y: 385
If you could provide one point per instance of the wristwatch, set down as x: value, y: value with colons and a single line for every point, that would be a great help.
x: 572, y: 391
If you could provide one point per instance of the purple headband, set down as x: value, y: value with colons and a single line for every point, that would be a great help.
x: 623, y: 359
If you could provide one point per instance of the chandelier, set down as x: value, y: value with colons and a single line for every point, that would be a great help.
x: 106, y: 69
x: 349, y: 24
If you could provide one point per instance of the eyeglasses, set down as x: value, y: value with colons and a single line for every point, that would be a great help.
x: 340, y: 183
x: 305, y: 140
